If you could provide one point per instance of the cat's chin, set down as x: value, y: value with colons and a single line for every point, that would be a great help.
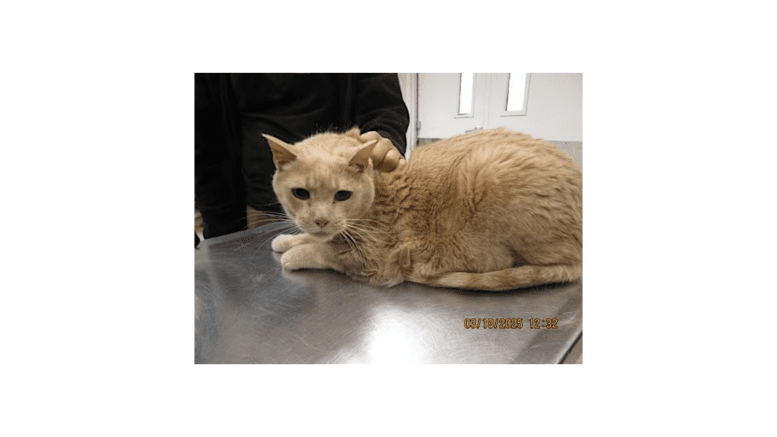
x: 322, y: 236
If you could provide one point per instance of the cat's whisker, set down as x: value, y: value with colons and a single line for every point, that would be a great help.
x: 365, y: 234
x: 365, y: 252
x: 267, y: 213
x: 359, y: 233
x: 362, y: 219
x: 289, y: 228
x: 352, y: 243
x: 365, y: 231
x: 365, y: 223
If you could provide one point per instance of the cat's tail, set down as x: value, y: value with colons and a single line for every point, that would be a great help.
x: 509, y: 279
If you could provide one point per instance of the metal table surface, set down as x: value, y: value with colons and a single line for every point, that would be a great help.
x: 248, y: 310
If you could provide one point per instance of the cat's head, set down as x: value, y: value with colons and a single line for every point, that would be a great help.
x: 324, y: 181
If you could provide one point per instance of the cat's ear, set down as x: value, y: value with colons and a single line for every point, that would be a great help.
x: 361, y: 160
x: 282, y: 153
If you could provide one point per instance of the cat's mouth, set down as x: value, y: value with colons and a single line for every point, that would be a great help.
x: 322, y: 235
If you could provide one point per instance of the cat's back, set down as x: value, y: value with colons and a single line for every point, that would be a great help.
x: 491, y: 201
x: 496, y: 154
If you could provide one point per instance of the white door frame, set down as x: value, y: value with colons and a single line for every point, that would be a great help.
x: 409, y: 84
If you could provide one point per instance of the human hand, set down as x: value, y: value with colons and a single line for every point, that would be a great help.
x: 385, y: 157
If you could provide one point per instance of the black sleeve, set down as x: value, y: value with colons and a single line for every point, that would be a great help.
x: 379, y: 107
x: 218, y: 185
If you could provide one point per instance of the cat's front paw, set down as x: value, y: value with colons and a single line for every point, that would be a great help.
x: 297, y: 258
x: 282, y: 243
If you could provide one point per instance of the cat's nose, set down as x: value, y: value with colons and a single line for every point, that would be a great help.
x: 321, y: 222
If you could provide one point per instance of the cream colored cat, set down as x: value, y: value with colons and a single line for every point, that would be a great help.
x: 492, y: 210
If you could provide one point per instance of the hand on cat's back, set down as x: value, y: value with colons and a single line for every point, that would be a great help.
x: 385, y: 157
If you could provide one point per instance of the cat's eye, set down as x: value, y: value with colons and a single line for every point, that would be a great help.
x: 342, y: 195
x: 301, y: 193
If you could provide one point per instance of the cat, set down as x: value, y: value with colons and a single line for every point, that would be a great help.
x: 490, y: 210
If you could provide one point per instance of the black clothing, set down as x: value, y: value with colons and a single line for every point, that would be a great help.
x: 233, y: 162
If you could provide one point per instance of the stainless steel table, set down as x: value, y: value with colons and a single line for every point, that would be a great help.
x: 247, y: 310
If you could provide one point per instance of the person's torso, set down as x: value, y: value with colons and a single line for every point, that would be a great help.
x: 288, y: 106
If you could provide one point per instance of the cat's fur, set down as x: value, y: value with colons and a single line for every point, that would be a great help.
x: 492, y: 210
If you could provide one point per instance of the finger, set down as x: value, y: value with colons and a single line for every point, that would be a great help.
x: 391, y: 161
x: 379, y: 152
x: 369, y: 136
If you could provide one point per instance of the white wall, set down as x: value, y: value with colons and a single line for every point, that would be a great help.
x: 555, y: 107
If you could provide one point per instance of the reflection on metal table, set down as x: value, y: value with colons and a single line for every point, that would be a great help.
x: 248, y: 310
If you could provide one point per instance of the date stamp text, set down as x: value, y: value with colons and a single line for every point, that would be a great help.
x: 511, y: 323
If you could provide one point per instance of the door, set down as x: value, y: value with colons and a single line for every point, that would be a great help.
x: 547, y: 106
x: 439, y: 105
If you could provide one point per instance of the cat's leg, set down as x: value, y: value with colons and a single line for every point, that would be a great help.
x: 310, y: 256
x: 284, y: 242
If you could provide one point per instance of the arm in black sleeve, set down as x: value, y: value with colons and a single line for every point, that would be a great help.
x: 218, y: 184
x: 379, y: 107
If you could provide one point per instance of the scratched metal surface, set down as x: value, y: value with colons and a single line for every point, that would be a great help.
x: 247, y: 310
